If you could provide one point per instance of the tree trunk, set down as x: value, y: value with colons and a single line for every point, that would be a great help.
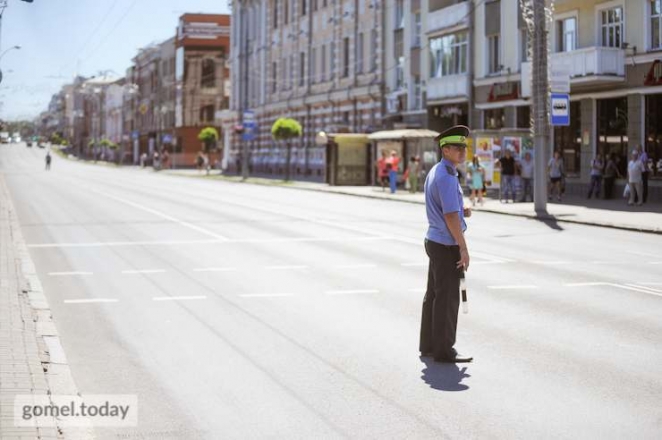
x: 287, y: 161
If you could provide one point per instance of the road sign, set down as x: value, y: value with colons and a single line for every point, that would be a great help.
x: 250, y: 125
x: 559, y: 80
x: 560, y: 111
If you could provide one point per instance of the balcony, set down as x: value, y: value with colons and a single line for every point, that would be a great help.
x: 449, y: 17
x: 453, y: 86
x: 590, y: 65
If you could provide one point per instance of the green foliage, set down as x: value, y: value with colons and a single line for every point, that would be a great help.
x: 56, y: 139
x: 108, y: 144
x: 91, y: 143
x: 285, y: 129
x: 208, y: 136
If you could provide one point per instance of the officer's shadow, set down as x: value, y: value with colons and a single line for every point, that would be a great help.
x: 444, y: 377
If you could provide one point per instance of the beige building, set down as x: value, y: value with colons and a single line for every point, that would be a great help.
x: 318, y: 61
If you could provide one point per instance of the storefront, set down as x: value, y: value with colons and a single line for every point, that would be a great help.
x: 568, y: 141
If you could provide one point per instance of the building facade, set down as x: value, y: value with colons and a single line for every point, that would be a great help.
x: 317, y: 61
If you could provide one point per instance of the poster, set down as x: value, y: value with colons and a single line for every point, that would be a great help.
x: 484, y: 152
x: 514, y: 144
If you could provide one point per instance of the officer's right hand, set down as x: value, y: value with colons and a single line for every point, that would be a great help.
x: 464, y: 259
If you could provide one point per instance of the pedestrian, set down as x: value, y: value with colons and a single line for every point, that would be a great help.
x: 382, y: 173
x: 527, y: 166
x: 611, y: 172
x: 635, y: 179
x: 643, y: 157
x: 392, y: 165
x: 48, y: 161
x: 412, y: 174
x: 446, y: 249
x: 155, y: 161
x: 556, y: 172
x: 476, y: 180
x: 507, y: 165
x: 143, y: 160
x: 597, y: 165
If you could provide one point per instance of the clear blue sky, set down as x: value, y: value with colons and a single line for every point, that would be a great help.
x: 59, y: 36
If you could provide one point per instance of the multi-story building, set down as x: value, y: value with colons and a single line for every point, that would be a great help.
x: 317, y: 61
x: 201, y: 78
x: 114, y: 106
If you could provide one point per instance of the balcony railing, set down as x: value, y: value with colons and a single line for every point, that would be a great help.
x: 447, y: 87
x: 451, y: 16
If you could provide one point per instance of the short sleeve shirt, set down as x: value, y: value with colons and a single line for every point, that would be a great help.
x: 443, y: 195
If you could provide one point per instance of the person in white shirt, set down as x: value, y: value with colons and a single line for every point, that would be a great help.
x: 635, y: 178
x: 526, y: 166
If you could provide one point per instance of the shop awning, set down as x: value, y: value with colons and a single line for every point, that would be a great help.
x: 419, y: 133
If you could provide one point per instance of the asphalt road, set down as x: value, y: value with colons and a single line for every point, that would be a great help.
x: 240, y: 311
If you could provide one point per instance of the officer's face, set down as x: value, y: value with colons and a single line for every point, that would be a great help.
x: 456, y: 153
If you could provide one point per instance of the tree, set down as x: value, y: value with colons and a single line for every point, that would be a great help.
x: 208, y: 136
x: 286, y: 129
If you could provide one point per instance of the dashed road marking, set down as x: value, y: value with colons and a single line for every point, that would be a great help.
x: 143, y: 271
x: 351, y: 292
x: 631, y: 287
x: 596, y: 283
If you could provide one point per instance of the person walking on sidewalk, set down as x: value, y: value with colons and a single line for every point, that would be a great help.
x: 392, y: 165
x: 476, y: 179
x: 48, y: 161
x: 412, y: 174
x: 382, y: 172
x: 507, y: 165
x: 556, y: 171
x: 527, y: 166
x: 446, y: 249
x: 611, y: 172
x: 597, y: 165
x: 635, y: 179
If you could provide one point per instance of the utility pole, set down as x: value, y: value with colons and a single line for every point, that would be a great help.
x: 540, y: 95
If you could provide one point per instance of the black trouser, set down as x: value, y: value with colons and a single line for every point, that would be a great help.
x: 644, y: 197
x: 609, y: 186
x: 596, y: 183
x: 442, y: 301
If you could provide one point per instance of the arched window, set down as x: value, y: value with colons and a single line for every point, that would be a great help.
x: 208, y: 78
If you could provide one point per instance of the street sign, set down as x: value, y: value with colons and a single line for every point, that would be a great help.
x: 167, y: 139
x: 135, y: 135
x: 559, y: 80
x: 560, y: 111
x: 250, y: 125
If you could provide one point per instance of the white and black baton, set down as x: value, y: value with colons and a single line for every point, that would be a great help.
x: 463, y: 294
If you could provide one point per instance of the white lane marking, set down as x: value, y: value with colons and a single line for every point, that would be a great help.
x: 414, y: 264
x: 162, y: 215
x: 644, y: 254
x: 62, y: 274
x: 596, y: 283
x: 513, y: 287
x: 650, y: 289
x: 214, y: 269
x: 285, y: 267
x: 652, y: 284
x: 143, y: 271
x: 631, y: 287
x: 194, y: 242
x: 351, y: 292
x: 90, y: 301
x: 265, y: 295
x: 177, y: 298
x: 356, y: 266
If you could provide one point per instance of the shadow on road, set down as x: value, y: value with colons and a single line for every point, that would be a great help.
x: 444, y: 377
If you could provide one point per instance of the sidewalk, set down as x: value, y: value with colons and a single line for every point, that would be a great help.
x: 606, y: 213
x: 31, y: 358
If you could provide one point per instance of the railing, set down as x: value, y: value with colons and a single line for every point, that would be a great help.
x: 447, y: 87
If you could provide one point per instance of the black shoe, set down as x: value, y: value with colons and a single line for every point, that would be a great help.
x: 457, y: 359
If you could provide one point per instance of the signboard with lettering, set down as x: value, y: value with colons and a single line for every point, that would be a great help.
x: 504, y: 92
x: 654, y: 77
x: 560, y: 111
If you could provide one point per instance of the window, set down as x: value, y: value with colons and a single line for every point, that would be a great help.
x: 303, y: 6
x: 302, y: 68
x: 208, y: 77
x: 418, y: 95
x: 656, y: 24
x: 207, y: 113
x: 399, y: 59
x: 345, y: 66
x: 494, y: 119
x: 315, y: 5
x: 313, y: 67
x: 274, y: 77
x: 292, y: 70
x: 323, y: 67
x: 373, y: 50
x: 286, y: 11
x: 276, y: 7
x: 416, y: 40
x: 448, y: 55
x: 524, y: 116
x: 612, y: 27
x: 332, y: 64
x: 524, y: 42
x: 612, y: 128
x: 493, y: 54
x: 359, y: 53
x: 399, y: 14
x: 566, y: 35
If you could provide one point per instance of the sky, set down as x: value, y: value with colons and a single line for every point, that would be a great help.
x: 60, y: 38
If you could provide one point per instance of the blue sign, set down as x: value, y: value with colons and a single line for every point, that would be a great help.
x: 250, y: 126
x: 167, y: 139
x: 560, y: 109
x: 135, y: 135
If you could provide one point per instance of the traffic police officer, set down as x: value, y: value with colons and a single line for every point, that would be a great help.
x: 446, y: 248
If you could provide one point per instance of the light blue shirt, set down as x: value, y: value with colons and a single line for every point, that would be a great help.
x: 443, y: 195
